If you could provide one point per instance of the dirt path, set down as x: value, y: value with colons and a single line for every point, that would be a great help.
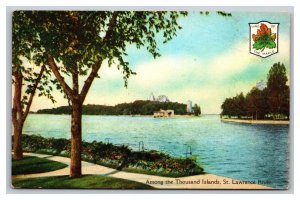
x: 206, y: 181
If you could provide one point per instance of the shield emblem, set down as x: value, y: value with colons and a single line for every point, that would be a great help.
x: 263, y: 38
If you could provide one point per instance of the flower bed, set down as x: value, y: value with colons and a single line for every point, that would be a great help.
x: 118, y: 157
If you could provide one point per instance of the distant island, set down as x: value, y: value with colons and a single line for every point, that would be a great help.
x: 138, y: 107
x: 160, y: 106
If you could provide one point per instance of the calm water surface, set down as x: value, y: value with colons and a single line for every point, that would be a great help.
x: 240, y: 151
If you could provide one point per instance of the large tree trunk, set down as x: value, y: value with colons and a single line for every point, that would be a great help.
x: 17, y: 116
x: 75, y: 170
x: 18, y: 151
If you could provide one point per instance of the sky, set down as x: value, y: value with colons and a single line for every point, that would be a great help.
x: 208, y: 61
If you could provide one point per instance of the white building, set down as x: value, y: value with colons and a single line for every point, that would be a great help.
x: 261, y: 85
x: 189, y: 106
x: 164, y: 113
x: 151, y: 97
x: 160, y: 98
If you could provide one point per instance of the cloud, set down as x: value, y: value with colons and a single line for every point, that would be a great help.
x: 183, y: 77
x: 165, y: 70
x: 233, y: 61
x: 206, y: 81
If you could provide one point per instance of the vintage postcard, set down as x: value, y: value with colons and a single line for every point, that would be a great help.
x: 150, y: 100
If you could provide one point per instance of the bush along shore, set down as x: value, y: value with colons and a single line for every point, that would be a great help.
x: 117, y: 157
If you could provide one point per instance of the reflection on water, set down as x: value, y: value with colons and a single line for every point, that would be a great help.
x: 240, y: 151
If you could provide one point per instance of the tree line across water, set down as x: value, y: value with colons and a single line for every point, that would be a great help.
x: 272, y: 102
x: 138, y: 107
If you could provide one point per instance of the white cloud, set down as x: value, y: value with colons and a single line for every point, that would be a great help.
x: 233, y: 61
x: 165, y: 70
x: 181, y: 77
x: 161, y: 74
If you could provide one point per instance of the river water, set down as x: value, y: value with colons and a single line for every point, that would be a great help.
x: 239, y: 151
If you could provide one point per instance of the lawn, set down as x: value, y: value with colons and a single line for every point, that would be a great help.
x: 84, y: 182
x: 31, y: 164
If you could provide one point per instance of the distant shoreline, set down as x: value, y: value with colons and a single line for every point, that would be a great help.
x: 247, y: 121
x: 175, y: 116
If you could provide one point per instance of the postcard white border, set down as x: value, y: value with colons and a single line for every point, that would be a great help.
x: 6, y: 76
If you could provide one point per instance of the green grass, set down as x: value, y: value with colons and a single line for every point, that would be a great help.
x: 84, y: 182
x: 31, y: 165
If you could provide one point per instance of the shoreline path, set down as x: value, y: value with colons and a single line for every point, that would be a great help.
x: 157, y: 182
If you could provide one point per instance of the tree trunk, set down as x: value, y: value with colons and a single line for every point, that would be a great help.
x: 17, y: 117
x: 18, y: 151
x: 76, y: 143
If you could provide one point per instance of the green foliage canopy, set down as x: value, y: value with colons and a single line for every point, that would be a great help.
x: 196, y: 110
x: 260, y: 104
x: 36, y: 76
x: 278, y: 91
x: 80, y: 39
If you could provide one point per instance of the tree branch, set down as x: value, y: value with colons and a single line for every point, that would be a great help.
x: 112, y: 23
x: 55, y: 70
x: 97, y: 65
x: 37, y: 81
x: 88, y: 82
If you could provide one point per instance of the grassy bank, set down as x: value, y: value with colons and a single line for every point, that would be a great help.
x: 84, y: 182
x: 117, y: 157
x: 31, y: 165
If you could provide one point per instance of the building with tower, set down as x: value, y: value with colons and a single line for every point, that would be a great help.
x: 261, y: 85
x: 160, y: 98
x: 189, y: 106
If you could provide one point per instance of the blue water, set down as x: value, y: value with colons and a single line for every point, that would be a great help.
x: 239, y: 151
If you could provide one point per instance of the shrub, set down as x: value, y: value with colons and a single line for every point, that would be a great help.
x: 118, y: 157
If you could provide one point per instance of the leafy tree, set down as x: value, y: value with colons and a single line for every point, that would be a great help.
x: 285, y: 107
x: 197, y: 110
x: 273, y: 100
x: 252, y: 100
x: 77, y: 43
x: 234, y: 106
x: 239, y: 105
x: 26, y: 80
x: 263, y: 105
x: 277, y: 88
x: 227, y: 107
